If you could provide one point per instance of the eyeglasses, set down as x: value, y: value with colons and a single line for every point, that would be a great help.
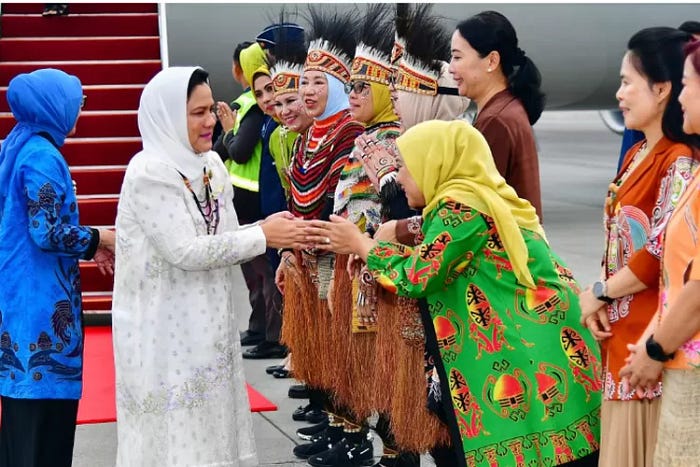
x: 357, y: 86
x: 82, y: 102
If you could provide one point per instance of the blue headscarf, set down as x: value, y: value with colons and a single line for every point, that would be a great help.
x: 46, y: 100
x: 337, y: 99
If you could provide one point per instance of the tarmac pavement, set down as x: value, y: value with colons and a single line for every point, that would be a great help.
x: 578, y: 157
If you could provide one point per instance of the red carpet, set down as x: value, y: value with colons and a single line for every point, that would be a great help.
x: 97, y: 404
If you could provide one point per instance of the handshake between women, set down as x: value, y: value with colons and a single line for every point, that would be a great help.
x: 283, y: 230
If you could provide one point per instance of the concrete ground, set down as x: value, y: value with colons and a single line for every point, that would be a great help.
x: 578, y: 157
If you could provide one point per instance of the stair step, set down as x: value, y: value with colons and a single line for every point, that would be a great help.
x: 97, y: 301
x: 108, y: 124
x: 74, y: 48
x: 91, y: 124
x: 98, y: 181
x: 90, y: 71
x: 97, y: 211
x: 92, y: 280
x: 100, y: 151
x: 99, y: 97
x: 113, y: 97
x: 77, y: 8
x: 85, y: 25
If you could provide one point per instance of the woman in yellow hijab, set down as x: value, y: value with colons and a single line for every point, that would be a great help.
x: 519, y: 375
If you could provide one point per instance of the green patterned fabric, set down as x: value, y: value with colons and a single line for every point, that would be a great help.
x: 523, y: 375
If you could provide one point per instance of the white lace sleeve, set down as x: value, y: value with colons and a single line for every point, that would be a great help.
x: 161, y: 205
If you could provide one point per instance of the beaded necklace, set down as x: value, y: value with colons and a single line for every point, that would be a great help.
x: 310, y: 153
x: 209, y: 207
x: 614, y: 187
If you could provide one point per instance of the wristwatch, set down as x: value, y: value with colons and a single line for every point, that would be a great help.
x: 656, y: 352
x: 599, y: 290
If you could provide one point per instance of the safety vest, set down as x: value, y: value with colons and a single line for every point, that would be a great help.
x: 246, y: 175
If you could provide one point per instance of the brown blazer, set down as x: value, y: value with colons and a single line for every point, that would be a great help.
x: 504, y: 123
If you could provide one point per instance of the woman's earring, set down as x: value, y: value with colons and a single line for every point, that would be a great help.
x: 489, y: 70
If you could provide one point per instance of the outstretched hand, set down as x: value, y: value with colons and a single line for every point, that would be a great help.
x: 340, y: 236
x: 283, y: 230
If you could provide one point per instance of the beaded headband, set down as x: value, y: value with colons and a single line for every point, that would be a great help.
x: 324, y: 57
x: 285, y: 77
x: 370, y: 64
x: 412, y: 77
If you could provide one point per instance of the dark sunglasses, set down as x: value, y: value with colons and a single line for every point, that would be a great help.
x: 357, y: 86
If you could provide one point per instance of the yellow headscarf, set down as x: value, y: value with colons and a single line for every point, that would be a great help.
x: 261, y: 70
x: 381, y: 104
x: 252, y: 58
x: 453, y: 160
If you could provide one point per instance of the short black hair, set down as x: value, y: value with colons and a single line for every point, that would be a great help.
x: 199, y: 76
x: 240, y: 48
x: 691, y: 27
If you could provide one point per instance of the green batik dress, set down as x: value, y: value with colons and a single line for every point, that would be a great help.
x: 522, y: 375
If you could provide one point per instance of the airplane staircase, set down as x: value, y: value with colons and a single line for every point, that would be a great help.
x: 114, y: 48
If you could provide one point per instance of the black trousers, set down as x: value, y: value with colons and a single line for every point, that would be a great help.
x: 265, y: 298
x: 37, y: 432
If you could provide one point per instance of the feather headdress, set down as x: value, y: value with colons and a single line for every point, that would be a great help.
x: 332, y: 42
x: 372, y: 60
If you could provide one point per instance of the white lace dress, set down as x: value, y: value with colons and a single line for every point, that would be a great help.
x: 181, y: 396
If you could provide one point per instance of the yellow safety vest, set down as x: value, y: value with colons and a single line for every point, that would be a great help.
x: 246, y: 175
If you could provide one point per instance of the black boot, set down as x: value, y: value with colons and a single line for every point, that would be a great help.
x: 355, y: 449
x: 330, y: 436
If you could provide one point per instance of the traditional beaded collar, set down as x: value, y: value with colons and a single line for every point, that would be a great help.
x: 324, y: 57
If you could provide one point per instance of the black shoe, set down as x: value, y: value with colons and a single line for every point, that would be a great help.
x: 404, y: 459
x: 331, y: 435
x: 316, y: 416
x: 298, y: 391
x: 345, y: 454
x: 309, y: 433
x: 386, y: 462
x: 266, y: 349
x: 271, y: 369
x: 299, y: 415
x: 282, y: 374
x: 251, y: 338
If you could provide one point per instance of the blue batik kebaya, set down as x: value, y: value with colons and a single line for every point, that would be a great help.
x: 41, y: 241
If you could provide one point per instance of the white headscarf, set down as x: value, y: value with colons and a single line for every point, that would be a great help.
x: 162, y: 118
